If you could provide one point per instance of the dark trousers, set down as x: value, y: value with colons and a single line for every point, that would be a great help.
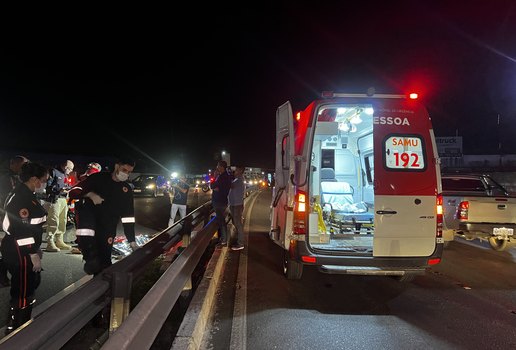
x: 236, y: 217
x: 220, y: 213
x: 96, y: 252
x: 24, y: 281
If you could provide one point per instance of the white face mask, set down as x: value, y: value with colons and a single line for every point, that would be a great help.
x: 121, y: 176
x: 40, y: 189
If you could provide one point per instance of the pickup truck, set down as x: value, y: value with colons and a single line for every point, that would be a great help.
x: 477, y: 207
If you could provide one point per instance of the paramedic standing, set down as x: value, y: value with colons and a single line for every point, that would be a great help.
x: 23, y: 223
x: 178, y: 200
x: 236, y: 205
x: 105, y: 199
x: 8, y: 181
x: 57, y: 205
x: 219, y: 199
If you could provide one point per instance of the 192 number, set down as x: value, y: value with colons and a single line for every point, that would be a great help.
x: 405, y: 158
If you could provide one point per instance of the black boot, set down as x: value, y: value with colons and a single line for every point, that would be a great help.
x: 4, y: 280
x: 11, y: 326
x: 17, y: 316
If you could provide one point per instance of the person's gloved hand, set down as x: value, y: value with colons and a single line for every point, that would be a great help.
x: 134, y: 246
x: 36, y: 262
x: 95, y: 198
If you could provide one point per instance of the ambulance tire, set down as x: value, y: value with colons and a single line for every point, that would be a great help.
x: 498, y: 244
x: 293, y: 270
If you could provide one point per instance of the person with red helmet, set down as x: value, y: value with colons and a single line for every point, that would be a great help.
x: 92, y: 168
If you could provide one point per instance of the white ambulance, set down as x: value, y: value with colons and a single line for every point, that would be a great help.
x: 357, y: 186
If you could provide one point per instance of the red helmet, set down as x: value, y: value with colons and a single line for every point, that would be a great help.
x: 93, y: 168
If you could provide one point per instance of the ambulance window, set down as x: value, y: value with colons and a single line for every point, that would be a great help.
x: 369, y: 165
x: 404, y: 152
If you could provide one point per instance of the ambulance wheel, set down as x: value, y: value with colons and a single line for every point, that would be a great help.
x: 293, y: 270
x: 498, y: 244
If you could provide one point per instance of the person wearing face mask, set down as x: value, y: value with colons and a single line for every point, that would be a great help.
x: 9, y: 179
x: 56, y: 203
x: 104, y: 199
x: 23, y: 223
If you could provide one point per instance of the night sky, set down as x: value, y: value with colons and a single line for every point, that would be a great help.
x: 181, y: 84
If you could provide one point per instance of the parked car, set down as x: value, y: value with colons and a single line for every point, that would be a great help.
x: 477, y: 207
x: 150, y: 185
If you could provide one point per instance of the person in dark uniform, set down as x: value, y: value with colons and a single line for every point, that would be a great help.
x: 9, y: 178
x: 105, y: 199
x: 23, y: 224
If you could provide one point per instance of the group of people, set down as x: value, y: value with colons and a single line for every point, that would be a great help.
x: 229, y: 190
x: 106, y: 198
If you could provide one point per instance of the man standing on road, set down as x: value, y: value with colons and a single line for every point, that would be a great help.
x: 57, y: 206
x: 219, y: 199
x: 178, y: 199
x: 236, y: 205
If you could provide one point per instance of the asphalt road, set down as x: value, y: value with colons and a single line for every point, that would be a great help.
x: 468, y: 301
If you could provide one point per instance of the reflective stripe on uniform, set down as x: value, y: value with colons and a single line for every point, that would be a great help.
x: 85, y: 232
x: 6, y: 223
x: 25, y: 241
x: 128, y: 220
x: 35, y: 221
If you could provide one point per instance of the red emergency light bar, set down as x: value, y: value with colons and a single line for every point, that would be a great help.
x: 331, y: 94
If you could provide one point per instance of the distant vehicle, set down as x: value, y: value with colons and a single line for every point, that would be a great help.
x: 477, y: 207
x: 357, y: 187
x: 150, y: 185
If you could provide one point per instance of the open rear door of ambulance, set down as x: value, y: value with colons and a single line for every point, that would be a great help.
x: 283, y: 168
x: 405, y: 180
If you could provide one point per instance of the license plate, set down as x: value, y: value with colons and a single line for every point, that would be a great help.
x: 502, y: 231
x: 137, y: 190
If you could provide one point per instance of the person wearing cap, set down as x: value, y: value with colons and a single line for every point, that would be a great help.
x: 56, y: 203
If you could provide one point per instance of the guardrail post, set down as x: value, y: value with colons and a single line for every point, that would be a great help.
x: 187, y: 232
x: 120, y: 305
x: 206, y: 213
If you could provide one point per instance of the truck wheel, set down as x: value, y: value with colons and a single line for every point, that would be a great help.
x: 498, y: 244
x: 293, y: 270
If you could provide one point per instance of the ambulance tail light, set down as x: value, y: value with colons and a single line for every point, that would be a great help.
x: 439, y: 206
x: 300, y: 210
x: 434, y: 261
x: 462, y: 211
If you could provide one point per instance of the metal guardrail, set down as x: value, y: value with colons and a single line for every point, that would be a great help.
x: 54, y: 327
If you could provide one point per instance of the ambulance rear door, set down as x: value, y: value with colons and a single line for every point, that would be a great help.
x: 283, y: 169
x: 405, y: 180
